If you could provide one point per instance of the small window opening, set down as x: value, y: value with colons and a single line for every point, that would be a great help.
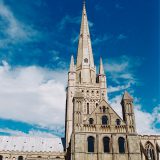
x: 91, y: 121
x: 118, y: 122
x: 104, y: 109
x: 85, y: 60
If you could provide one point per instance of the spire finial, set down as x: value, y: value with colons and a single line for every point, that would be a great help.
x: 84, y: 2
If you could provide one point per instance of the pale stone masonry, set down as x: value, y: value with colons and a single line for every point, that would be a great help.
x: 93, y: 130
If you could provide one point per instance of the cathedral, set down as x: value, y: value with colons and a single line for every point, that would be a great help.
x: 93, y: 130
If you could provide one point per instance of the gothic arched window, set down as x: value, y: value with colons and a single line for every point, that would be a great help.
x: 1, y: 157
x: 106, y: 144
x: 149, y: 151
x: 90, y: 144
x: 91, y: 121
x: 121, y: 144
x: 20, y: 158
x: 104, y: 120
x: 118, y: 122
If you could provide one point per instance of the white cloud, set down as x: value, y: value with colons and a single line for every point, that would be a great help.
x: 145, y: 122
x: 121, y: 36
x: 68, y: 19
x: 71, y: 20
x: 33, y: 133
x: 118, y: 88
x: 100, y: 39
x: 12, y: 28
x: 37, y: 96
x: 121, y: 71
x: 33, y: 95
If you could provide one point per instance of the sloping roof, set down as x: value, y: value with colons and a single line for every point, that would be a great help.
x: 30, y: 144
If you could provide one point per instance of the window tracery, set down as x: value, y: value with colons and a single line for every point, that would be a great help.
x: 149, y: 151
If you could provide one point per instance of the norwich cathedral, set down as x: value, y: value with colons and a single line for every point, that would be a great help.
x: 93, y: 130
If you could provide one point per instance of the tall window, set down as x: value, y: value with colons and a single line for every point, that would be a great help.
x: 91, y: 121
x: 80, y: 77
x: 104, y: 120
x: 1, y: 157
x: 149, y: 150
x: 106, y: 144
x: 121, y: 143
x: 20, y: 158
x: 87, y: 108
x: 90, y: 144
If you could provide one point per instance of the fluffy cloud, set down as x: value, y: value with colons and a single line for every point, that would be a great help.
x: 32, y: 94
x: 36, y: 95
x: 118, y: 88
x: 145, y: 122
x: 33, y: 133
x: 121, y: 72
x: 71, y: 20
x: 12, y: 29
x: 100, y: 39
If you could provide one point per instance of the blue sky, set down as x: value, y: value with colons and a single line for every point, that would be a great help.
x: 37, y: 39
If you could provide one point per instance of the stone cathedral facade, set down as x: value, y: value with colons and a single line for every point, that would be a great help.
x: 93, y: 130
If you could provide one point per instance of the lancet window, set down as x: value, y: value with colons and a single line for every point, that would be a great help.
x: 149, y: 151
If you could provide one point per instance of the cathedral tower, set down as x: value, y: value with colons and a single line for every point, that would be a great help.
x: 94, y: 131
x: 82, y: 79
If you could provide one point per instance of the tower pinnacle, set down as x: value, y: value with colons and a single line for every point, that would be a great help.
x: 101, y: 69
x: 72, y: 67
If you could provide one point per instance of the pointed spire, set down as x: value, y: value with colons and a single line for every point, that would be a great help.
x: 101, y: 69
x: 127, y: 96
x: 85, y: 55
x: 72, y: 67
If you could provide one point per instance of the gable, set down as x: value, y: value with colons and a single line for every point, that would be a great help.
x: 104, y: 109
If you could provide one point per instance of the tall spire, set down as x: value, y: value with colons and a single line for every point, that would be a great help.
x: 101, y: 69
x: 84, y: 56
x: 72, y: 67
